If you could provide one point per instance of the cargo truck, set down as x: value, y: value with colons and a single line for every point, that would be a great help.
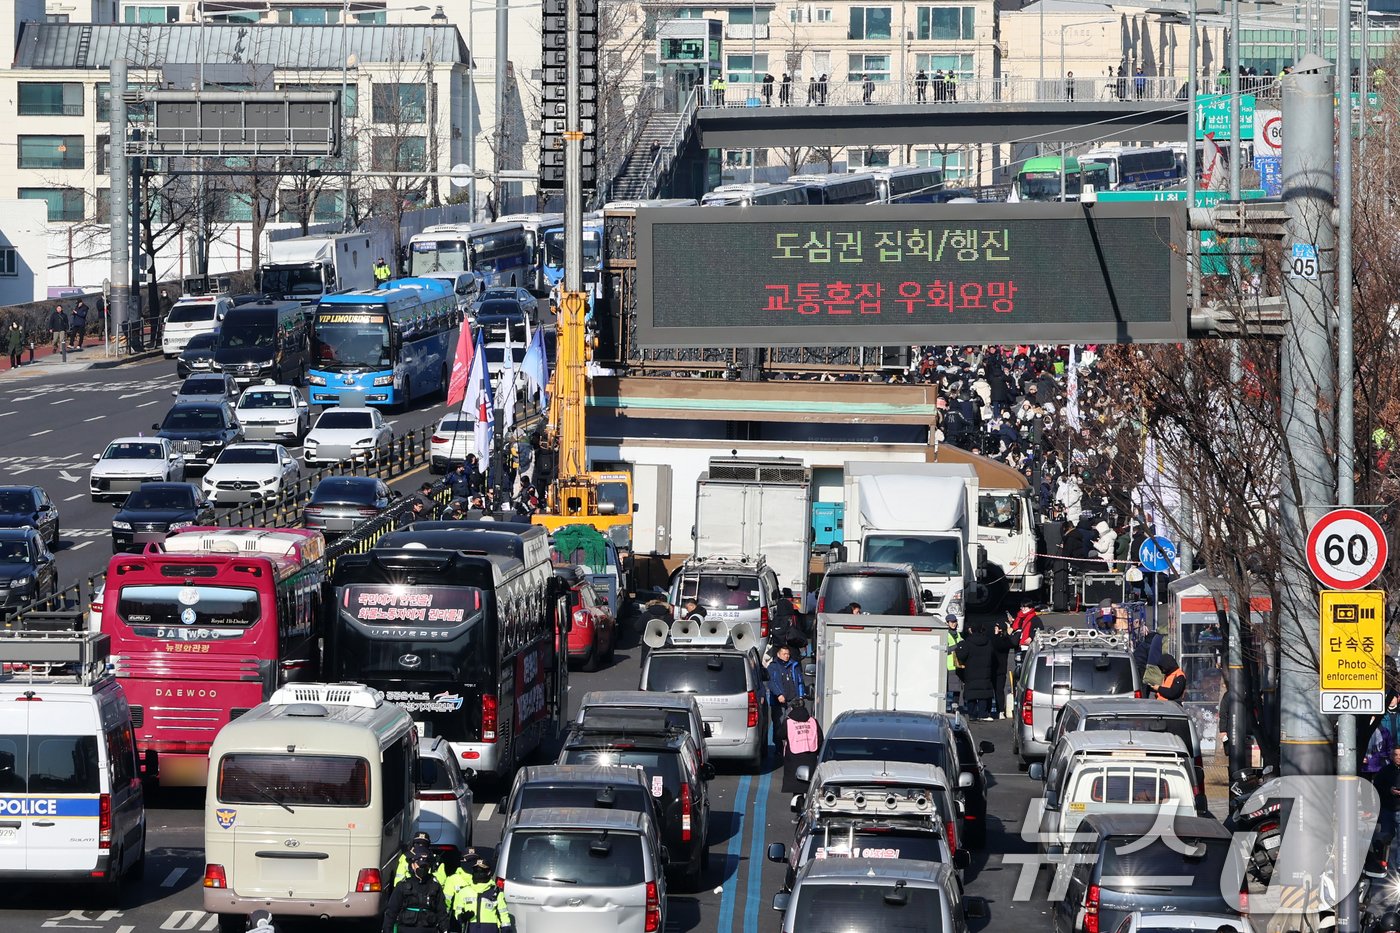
x: 750, y: 507
x: 308, y: 268
x: 879, y: 662
x: 921, y: 514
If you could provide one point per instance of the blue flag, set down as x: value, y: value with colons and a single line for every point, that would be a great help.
x: 535, y: 366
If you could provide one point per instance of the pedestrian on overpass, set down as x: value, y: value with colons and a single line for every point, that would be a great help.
x: 921, y: 87
x: 821, y: 89
x: 717, y: 87
x: 811, y: 90
x: 785, y: 90
x: 1139, y: 83
x: 950, y: 85
x: 768, y: 90
x: 1069, y: 86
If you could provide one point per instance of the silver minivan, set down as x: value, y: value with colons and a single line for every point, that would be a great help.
x: 583, y: 870
x: 728, y: 685
x: 1064, y: 665
x: 685, y: 708
x: 877, y: 894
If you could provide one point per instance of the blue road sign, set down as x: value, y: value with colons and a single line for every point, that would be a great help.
x: 1270, y: 169
x: 1157, y: 554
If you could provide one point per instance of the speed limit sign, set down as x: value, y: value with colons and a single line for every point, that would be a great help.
x: 1346, y: 549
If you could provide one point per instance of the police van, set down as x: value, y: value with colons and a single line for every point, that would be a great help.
x: 71, y: 802
x: 310, y: 801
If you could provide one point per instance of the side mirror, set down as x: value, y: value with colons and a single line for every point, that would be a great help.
x: 927, y: 596
x: 781, y: 901
x: 174, y: 393
x: 962, y: 859
x: 809, y: 668
x: 97, y: 456
x: 986, y: 748
x: 709, y: 730
x: 1036, y: 771
x: 155, y: 427
x: 501, y: 806
x: 803, y: 773
x: 707, y: 772
x: 797, y: 803
x: 964, y: 780
x: 975, y: 908
x: 777, y: 852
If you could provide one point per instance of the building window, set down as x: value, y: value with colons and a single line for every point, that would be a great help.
x: 233, y: 207
x: 134, y: 112
x: 824, y: 14
x: 65, y: 204
x: 325, y: 207
x: 239, y: 17
x: 311, y: 16
x: 876, y: 67
x: 9, y: 262
x: 55, y: 17
x: 50, y: 99
x: 51, y: 152
x: 376, y: 18
x: 400, y: 103
x: 870, y: 22
x: 951, y: 163
x: 399, y: 154
x: 945, y: 22
x: 688, y: 12
x: 749, y: 16
x: 744, y: 69
x: 960, y: 65
x: 868, y: 158
x: 151, y: 14
x: 821, y: 63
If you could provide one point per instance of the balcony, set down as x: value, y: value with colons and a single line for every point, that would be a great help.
x: 746, y: 31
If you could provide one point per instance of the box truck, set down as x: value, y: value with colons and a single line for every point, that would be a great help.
x: 749, y: 507
x: 879, y: 662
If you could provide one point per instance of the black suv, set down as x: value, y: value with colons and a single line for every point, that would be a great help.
x: 199, y: 430
x: 879, y: 589
x: 154, y: 510
x: 28, y: 571
x: 651, y: 740
x: 29, y: 506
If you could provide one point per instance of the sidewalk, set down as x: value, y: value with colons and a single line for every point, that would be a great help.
x: 94, y: 355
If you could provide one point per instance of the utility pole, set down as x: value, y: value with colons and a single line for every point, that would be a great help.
x: 502, y: 56
x: 1308, y: 479
x: 120, y: 274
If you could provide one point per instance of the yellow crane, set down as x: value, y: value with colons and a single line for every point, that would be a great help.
x: 579, y: 496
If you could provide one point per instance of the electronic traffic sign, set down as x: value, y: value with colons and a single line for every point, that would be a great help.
x: 919, y: 274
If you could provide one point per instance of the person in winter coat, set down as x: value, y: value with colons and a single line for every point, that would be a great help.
x: 1070, y: 495
x: 784, y: 685
x: 1104, y: 540
x: 1000, y: 687
x: 977, y: 656
x: 954, y: 679
x: 1173, y: 686
x: 14, y: 343
x: 804, y: 740
x: 58, y: 327
x: 417, y: 904
x: 77, y: 326
x: 1077, y: 540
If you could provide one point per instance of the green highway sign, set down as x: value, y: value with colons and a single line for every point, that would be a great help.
x: 1213, y: 116
x: 1214, y: 259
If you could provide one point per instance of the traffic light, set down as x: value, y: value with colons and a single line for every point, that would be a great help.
x: 554, y: 107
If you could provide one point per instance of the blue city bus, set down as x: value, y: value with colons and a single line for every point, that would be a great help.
x: 553, y: 265
x: 502, y: 254
x: 387, y: 346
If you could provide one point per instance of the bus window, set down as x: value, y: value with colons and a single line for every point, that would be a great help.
x: 294, y: 780
x: 613, y: 500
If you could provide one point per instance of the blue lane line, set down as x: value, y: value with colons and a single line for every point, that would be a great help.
x: 725, y: 920
x: 756, y: 852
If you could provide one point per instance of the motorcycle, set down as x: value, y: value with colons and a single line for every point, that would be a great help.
x: 1266, y: 820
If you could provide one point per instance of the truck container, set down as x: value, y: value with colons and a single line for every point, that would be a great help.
x: 308, y: 268
x: 879, y: 662
x: 747, y: 508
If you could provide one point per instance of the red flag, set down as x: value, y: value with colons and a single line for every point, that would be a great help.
x: 461, y: 366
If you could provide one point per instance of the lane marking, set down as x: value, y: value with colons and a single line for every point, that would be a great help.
x: 486, y: 810
x: 173, y: 878
x: 42, y: 433
x: 731, y: 854
x: 756, y: 853
x: 79, y: 547
x: 62, y: 401
x: 78, y: 496
x: 4, y: 413
x: 98, y: 418
x: 134, y: 394
x: 146, y: 404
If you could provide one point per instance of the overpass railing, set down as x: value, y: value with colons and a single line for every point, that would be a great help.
x: 846, y: 93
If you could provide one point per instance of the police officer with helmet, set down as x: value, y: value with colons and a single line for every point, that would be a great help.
x: 480, y: 906
x: 417, y: 904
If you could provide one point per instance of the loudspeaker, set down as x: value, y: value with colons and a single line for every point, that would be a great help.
x: 684, y: 628
x: 656, y: 633
x: 743, y: 637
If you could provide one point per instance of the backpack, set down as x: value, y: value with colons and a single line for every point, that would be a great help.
x: 1378, y: 750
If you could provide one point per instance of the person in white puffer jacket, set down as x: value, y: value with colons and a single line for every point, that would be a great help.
x: 1103, y: 545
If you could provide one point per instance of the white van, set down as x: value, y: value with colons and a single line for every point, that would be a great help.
x: 1111, y: 772
x: 71, y: 803
x: 310, y: 800
x: 189, y: 316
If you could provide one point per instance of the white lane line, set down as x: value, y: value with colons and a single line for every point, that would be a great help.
x: 42, y: 433
x: 4, y: 413
x: 487, y: 810
x: 62, y: 401
x: 173, y: 878
x: 98, y: 418
x: 147, y: 404
x: 134, y: 394
x: 78, y: 496
x: 79, y: 547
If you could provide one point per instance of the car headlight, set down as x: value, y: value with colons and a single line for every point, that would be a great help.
x: 289, y: 419
x: 176, y: 526
x: 20, y: 583
x: 121, y: 526
x: 315, y: 380
x: 310, y: 442
x: 364, y: 442
x: 384, y: 380
x: 955, y: 605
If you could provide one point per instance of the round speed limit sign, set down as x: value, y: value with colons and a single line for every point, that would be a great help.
x: 1346, y: 549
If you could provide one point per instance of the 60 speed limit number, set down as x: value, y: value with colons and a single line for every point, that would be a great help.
x: 1346, y: 550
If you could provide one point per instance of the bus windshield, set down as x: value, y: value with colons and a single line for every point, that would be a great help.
x: 292, y: 280
x: 438, y: 256
x: 188, y: 613
x: 1045, y: 186
x: 554, y: 248
x: 351, y: 339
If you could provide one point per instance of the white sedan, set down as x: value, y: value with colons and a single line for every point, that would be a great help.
x: 273, y: 413
x: 128, y: 462
x: 251, y: 472
x: 347, y: 433
x: 453, y: 438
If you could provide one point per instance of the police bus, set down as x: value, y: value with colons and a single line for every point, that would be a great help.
x: 458, y: 626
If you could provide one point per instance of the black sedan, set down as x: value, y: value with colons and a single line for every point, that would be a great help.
x: 199, y: 431
x: 198, y: 355
x: 29, y: 507
x: 156, y: 509
x: 339, y: 503
x: 498, y: 316
x: 28, y: 571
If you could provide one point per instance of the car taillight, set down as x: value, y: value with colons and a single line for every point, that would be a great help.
x: 914, y: 608
x: 753, y: 709
x: 1244, y: 901
x: 104, y: 821
x: 312, y: 510
x: 952, y: 837
x: 1091, y: 910
x: 439, y: 439
x: 368, y: 881
x: 1028, y: 708
x: 488, y: 717
x: 436, y: 795
x: 582, y: 619
x: 685, y: 813
x: 653, y: 909
x: 1137, y: 694
x: 215, y: 876
x: 763, y: 622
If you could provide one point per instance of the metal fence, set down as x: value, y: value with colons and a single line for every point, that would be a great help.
x: 1070, y: 89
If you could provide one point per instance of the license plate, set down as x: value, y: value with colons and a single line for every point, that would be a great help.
x: 422, y: 728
